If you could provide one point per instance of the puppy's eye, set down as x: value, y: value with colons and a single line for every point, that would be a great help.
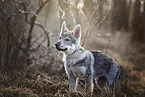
x: 59, y: 37
x: 67, y: 39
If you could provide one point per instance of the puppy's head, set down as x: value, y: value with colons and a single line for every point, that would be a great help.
x: 69, y: 40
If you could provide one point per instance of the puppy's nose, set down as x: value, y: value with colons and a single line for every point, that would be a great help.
x: 58, y: 44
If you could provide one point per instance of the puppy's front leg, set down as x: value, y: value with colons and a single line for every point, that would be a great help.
x: 72, y: 82
x: 89, y: 84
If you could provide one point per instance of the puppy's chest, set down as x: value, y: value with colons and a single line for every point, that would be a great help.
x: 78, y: 71
x: 77, y: 66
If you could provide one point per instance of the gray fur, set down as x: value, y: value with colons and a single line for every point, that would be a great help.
x: 106, y: 66
x: 81, y: 63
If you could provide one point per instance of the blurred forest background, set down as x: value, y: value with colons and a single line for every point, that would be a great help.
x: 30, y: 66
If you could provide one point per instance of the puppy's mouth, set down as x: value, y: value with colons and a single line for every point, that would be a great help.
x: 61, y: 49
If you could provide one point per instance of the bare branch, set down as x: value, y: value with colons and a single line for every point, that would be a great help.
x: 45, y: 32
x: 59, y: 9
x: 75, y: 7
x: 33, y: 19
x: 39, y: 45
x: 91, y: 17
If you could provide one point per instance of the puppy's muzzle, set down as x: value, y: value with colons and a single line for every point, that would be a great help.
x: 58, y: 47
x: 57, y: 44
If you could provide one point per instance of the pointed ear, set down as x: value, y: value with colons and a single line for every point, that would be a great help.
x: 63, y: 27
x: 77, y: 31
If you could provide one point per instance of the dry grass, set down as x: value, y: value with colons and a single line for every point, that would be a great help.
x: 17, y: 92
x: 34, y: 83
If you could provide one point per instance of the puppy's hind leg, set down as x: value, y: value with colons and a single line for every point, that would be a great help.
x: 102, y: 83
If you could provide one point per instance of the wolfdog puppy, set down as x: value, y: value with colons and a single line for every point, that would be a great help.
x: 81, y: 63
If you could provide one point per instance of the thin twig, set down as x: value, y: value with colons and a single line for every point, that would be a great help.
x: 39, y: 45
x: 60, y: 9
x: 28, y: 67
x: 47, y: 33
x: 91, y: 17
x: 36, y: 81
x: 108, y: 42
x: 43, y: 91
x: 75, y: 7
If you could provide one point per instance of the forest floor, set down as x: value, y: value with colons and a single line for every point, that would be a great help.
x: 34, y: 83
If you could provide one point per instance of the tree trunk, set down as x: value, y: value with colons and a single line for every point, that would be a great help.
x: 125, y: 15
x: 116, y: 19
x: 136, y: 22
x: 143, y: 25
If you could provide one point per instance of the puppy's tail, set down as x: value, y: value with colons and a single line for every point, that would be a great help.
x: 118, y: 83
x: 117, y: 78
